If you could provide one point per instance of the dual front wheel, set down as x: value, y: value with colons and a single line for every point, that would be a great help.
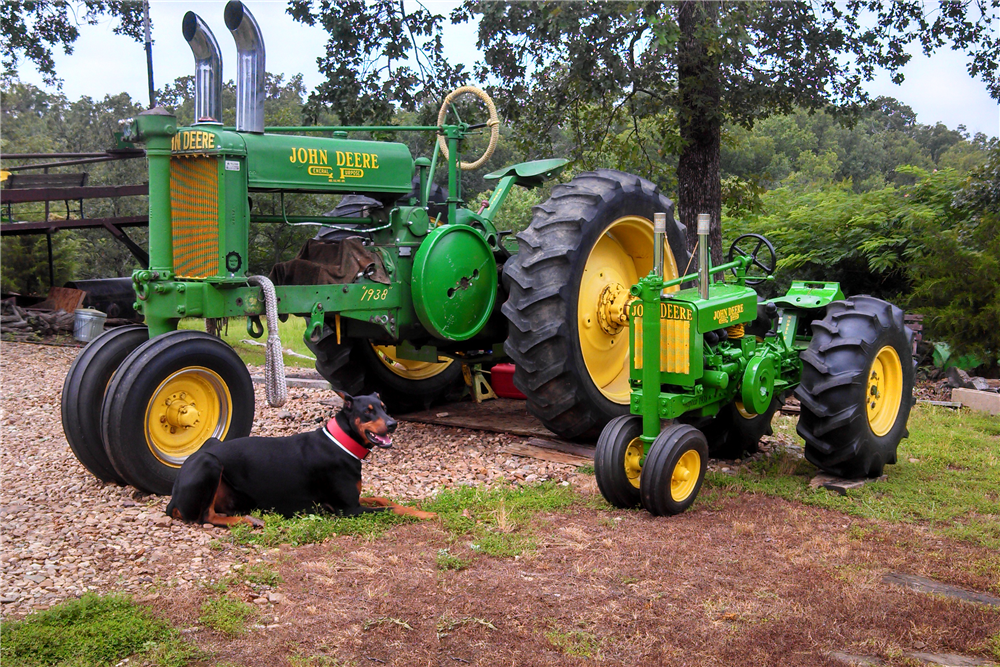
x: 134, y: 409
x: 666, y: 482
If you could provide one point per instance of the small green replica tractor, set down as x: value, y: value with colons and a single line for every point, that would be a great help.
x: 421, y: 285
x: 711, y: 363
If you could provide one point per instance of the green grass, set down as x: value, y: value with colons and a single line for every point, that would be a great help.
x: 448, y: 561
x: 313, y: 528
x: 261, y: 574
x: 499, y: 520
x: 291, y: 333
x: 953, y: 487
x: 93, y: 630
x: 575, y: 642
x: 229, y: 616
x: 174, y: 652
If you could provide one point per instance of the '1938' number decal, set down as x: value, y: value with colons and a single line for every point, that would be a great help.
x: 374, y: 294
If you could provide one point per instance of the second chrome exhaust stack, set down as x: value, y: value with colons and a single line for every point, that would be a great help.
x: 249, y: 68
x: 207, y: 69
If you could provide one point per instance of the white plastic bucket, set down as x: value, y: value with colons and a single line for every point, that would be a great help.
x: 88, y: 324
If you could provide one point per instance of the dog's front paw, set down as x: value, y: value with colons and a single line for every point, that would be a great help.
x: 424, y: 516
x: 254, y: 522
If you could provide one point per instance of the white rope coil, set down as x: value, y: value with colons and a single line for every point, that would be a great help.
x: 493, y: 123
x: 274, y: 366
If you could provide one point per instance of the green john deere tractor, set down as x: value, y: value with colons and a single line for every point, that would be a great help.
x: 399, y: 289
x: 710, y: 364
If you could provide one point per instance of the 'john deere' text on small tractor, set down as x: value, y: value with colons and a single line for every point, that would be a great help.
x: 712, y: 363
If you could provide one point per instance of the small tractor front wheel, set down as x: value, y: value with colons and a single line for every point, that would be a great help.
x: 857, y: 387
x: 569, y: 290
x: 674, y: 470
x: 83, y: 392
x: 616, y: 461
x: 169, y: 396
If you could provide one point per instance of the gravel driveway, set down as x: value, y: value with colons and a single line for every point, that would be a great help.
x: 63, y: 532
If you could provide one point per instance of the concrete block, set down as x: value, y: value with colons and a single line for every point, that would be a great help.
x: 984, y: 401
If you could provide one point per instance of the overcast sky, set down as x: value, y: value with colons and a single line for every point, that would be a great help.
x: 937, y: 88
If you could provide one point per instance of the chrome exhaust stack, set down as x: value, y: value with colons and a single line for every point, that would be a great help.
x: 249, y: 67
x: 207, y: 69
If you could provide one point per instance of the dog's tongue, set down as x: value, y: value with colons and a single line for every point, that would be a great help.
x: 380, y: 440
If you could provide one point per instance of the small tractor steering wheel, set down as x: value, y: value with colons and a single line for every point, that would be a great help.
x: 493, y: 123
x: 757, y: 271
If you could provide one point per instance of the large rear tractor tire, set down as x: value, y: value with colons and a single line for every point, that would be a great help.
x: 169, y: 396
x: 83, y: 392
x: 360, y: 367
x: 405, y: 385
x: 857, y: 387
x: 616, y: 461
x: 569, y: 286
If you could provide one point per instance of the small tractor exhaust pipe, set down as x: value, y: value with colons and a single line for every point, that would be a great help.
x: 704, y: 226
x: 249, y: 67
x: 659, y: 233
x: 207, y: 69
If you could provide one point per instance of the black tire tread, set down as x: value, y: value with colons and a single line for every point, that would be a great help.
x: 609, y: 458
x: 654, y: 484
x: 833, y: 419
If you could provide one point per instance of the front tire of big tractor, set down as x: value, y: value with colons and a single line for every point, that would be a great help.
x: 857, y: 387
x: 569, y: 288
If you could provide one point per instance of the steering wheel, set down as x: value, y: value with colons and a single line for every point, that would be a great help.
x: 493, y: 123
x: 758, y: 271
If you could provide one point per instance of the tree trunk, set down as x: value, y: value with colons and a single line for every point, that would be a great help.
x: 699, y: 183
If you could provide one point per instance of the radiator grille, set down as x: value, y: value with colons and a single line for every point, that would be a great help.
x: 194, y: 206
x: 675, y: 345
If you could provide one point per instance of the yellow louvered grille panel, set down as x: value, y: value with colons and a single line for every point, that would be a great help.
x: 194, y: 207
x: 675, y: 345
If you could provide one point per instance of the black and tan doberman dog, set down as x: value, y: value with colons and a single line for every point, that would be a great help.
x: 223, y: 481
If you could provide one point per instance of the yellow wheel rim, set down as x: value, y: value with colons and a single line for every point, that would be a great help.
x: 633, y: 455
x: 885, y: 391
x: 743, y: 412
x: 685, y: 475
x: 623, y: 253
x: 406, y: 368
x: 188, y: 408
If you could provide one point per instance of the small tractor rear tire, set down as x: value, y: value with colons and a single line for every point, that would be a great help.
x: 170, y: 396
x: 674, y: 470
x: 616, y: 461
x: 83, y: 392
x: 735, y: 432
x: 857, y: 387
x: 338, y: 363
x: 585, y: 247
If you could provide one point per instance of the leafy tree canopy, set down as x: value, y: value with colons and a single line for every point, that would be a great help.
x: 32, y: 28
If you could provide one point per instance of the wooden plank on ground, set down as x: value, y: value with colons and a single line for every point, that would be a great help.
x: 501, y: 415
x: 545, y: 454
x: 554, y: 444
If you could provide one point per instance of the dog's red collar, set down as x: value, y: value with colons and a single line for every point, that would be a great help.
x: 347, y: 443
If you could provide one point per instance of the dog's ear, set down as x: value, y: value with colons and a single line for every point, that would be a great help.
x: 347, y: 398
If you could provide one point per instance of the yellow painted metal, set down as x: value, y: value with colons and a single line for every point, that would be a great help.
x: 194, y: 209
x: 633, y: 455
x: 406, y: 368
x: 685, y: 475
x: 735, y: 331
x: 741, y: 409
x: 675, y: 345
x: 885, y: 390
x: 622, y: 254
x: 189, y: 407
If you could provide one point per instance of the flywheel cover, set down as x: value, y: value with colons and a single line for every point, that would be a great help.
x: 454, y: 282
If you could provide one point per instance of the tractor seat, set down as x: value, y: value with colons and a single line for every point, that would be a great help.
x: 532, y: 174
